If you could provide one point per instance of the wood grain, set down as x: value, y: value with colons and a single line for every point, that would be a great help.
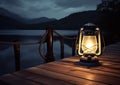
x: 67, y: 72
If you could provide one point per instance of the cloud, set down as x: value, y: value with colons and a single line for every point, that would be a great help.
x: 10, y: 2
x: 68, y: 3
x: 47, y: 8
x: 76, y: 3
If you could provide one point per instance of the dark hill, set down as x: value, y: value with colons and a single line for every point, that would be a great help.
x: 9, y: 20
x: 104, y: 20
x: 9, y: 23
x: 107, y: 21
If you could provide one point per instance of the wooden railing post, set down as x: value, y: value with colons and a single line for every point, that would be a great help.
x: 49, y: 56
x: 17, y: 55
x: 62, y: 47
x: 73, y: 49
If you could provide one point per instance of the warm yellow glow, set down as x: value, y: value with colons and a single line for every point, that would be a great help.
x: 89, y: 44
x: 90, y: 76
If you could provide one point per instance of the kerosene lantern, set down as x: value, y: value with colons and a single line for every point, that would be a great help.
x: 89, y: 43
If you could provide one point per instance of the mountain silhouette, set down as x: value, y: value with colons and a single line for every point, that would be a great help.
x: 73, y: 21
x: 9, y: 20
x: 104, y: 20
x: 107, y: 21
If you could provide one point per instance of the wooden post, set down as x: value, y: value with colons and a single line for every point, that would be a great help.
x: 62, y: 47
x: 49, y: 56
x: 73, y: 49
x: 17, y: 55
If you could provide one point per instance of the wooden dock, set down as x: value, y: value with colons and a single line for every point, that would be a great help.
x: 67, y: 72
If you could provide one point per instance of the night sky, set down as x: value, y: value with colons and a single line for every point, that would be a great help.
x: 48, y: 8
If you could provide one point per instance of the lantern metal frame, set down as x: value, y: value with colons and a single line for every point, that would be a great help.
x: 93, y: 30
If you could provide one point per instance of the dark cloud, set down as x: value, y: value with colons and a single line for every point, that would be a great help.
x: 48, y: 8
x: 39, y: 9
x: 10, y: 2
x: 68, y: 3
x: 76, y: 3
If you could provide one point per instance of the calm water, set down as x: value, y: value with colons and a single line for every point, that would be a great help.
x: 35, y: 32
x: 29, y: 53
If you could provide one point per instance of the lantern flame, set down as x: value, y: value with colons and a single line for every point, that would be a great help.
x: 89, y: 44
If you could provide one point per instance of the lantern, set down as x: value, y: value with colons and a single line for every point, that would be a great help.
x: 89, y: 43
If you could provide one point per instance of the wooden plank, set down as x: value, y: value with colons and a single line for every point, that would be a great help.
x: 13, y: 80
x: 68, y: 78
x: 82, y: 74
x: 115, y: 59
x: 43, y: 79
x: 79, y: 68
x: 101, y: 68
x: 66, y: 72
x: 105, y: 58
x: 109, y: 56
x: 110, y: 64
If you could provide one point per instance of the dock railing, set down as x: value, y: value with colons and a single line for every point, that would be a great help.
x: 48, y: 37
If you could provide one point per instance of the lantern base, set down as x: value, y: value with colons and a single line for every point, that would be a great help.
x: 89, y: 62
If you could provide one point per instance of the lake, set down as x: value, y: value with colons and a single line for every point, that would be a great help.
x: 29, y: 53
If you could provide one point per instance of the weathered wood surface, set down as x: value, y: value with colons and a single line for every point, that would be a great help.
x: 66, y: 72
